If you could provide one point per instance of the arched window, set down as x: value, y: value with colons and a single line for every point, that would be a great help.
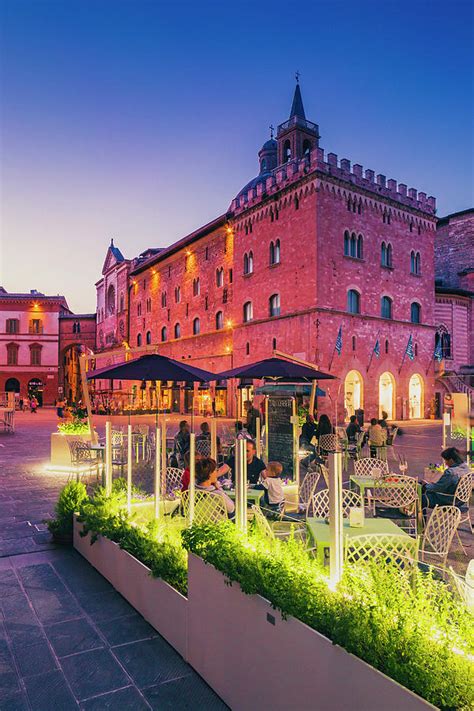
x: 415, y: 315
x: 417, y: 263
x: 12, y: 354
x: 353, y: 245
x: 353, y: 301
x: 248, y: 263
x: 122, y: 302
x: 248, y: 311
x: 139, y: 339
x: 177, y: 294
x: 111, y: 299
x: 163, y: 299
x: 443, y: 339
x: 148, y: 338
x: 389, y: 255
x: 196, y: 287
x: 383, y: 255
x: 275, y: 252
x: 347, y: 244
x: 139, y: 309
x: 196, y: 326
x: 360, y: 245
x: 286, y: 151
x: 177, y: 330
x: 386, y: 307
x: 274, y: 305
x: 219, y: 320
x: 164, y: 334
x: 306, y: 147
x: 220, y: 277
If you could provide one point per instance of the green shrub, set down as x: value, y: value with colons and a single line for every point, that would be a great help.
x: 74, y: 428
x: 70, y: 501
x: 158, y: 547
x: 410, y: 629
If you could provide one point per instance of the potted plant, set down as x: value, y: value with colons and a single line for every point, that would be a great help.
x: 70, y: 500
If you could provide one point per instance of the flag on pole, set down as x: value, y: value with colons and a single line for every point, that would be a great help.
x: 409, y: 349
x: 339, y: 341
x: 377, y: 349
x: 438, y: 351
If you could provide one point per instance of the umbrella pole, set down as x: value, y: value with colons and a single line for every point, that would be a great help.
x: 157, y: 471
x: 192, y: 476
x: 129, y: 468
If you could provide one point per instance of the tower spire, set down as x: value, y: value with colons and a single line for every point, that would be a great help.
x: 297, y: 108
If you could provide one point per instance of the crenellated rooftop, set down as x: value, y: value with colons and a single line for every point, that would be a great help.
x: 354, y: 175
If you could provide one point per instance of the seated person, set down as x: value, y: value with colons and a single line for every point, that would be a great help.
x: 377, y: 436
x: 207, y: 480
x: 441, y: 493
x: 241, y: 432
x: 254, y: 465
x: 270, y: 481
x: 384, y: 421
x: 352, y: 430
x: 205, y: 437
x: 308, y: 431
x: 181, y: 443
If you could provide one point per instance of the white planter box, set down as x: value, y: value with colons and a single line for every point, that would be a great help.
x: 60, y: 454
x: 254, y: 659
x: 160, y: 604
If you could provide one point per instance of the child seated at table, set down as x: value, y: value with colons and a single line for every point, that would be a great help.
x: 273, y: 497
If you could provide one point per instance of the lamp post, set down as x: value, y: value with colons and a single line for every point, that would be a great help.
x: 241, y: 485
x: 335, y: 517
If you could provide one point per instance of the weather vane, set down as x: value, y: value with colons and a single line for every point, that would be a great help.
x: 297, y: 76
x: 272, y: 128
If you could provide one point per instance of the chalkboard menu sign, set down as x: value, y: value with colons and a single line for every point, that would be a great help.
x: 280, y: 432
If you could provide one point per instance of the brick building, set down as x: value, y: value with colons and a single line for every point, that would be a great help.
x: 310, y: 247
x: 454, y: 307
x: 76, y: 336
x: 29, y: 343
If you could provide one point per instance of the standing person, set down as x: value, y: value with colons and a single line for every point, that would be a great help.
x: 377, y: 436
x: 205, y: 438
x: 181, y: 442
x: 60, y: 405
x: 254, y: 465
x: 359, y: 414
x: 251, y: 418
x: 20, y: 403
x: 33, y: 404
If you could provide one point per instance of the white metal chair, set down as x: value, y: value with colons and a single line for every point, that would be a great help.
x: 325, y: 473
x: 281, y: 529
x: 439, y: 533
x: 399, y: 496
x: 462, y: 496
x: 320, y: 502
x: 208, y: 507
x: 173, y: 482
x: 307, y: 489
x: 374, y: 468
x: 329, y: 443
x: 398, y: 549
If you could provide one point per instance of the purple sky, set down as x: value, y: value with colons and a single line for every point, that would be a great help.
x: 141, y: 120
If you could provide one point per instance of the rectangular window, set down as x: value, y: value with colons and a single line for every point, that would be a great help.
x: 36, y: 326
x: 13, y: 325
x: 35, y: 356
x: 12, y: 354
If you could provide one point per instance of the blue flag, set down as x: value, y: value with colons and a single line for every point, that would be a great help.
x: 377, y: 349
x: 438, y: 352
x: 409, y: 349
x: 339, y: 341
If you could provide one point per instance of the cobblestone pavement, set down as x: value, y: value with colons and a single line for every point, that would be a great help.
x: 67, y: 639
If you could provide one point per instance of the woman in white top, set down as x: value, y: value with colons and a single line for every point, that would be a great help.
x: 206, y: 480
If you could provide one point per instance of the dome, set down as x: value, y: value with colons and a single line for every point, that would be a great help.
x: 270, y: 145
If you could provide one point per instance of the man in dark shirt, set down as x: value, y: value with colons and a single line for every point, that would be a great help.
x: 254, y: 465
x: 252, y: 414
x: 352, y: 430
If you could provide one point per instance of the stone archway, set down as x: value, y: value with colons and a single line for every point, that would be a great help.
x: 35, y: 389
x: 353, y: 392
x: 12, y: 385
x: 416, y: 397
x: 387, y: 395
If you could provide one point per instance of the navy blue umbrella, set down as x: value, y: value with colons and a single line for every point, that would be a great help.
x: 275, y: 368
x: 153, y: 367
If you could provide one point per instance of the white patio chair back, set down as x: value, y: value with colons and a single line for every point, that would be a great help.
x: 203, y: 447
x: 329, y: 443
x: 325, y: 473
x: 398, y: 549
x: 439, y: 533
x: 320, y: 503
x: 367, y: 465
x: 262, y: 523
x: 281, y: 530
x: 208, y: 507
x: 399, y: 493
x: 307, y: 489
x: 83, y: 459
x: 463, y: 492
x: 173, y: 482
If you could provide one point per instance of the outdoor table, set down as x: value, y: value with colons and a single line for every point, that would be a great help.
x: 369, y: 482
x: 319, y: 531
x: 254, y: 495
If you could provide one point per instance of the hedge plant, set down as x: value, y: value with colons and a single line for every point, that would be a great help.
x: 413, y: 629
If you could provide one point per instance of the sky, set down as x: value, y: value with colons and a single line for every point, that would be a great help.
x: 141, y: 120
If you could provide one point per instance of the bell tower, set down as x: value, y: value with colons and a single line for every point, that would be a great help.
x: 296, y: 137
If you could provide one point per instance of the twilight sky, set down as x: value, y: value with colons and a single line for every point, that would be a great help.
x: 140, y: 120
